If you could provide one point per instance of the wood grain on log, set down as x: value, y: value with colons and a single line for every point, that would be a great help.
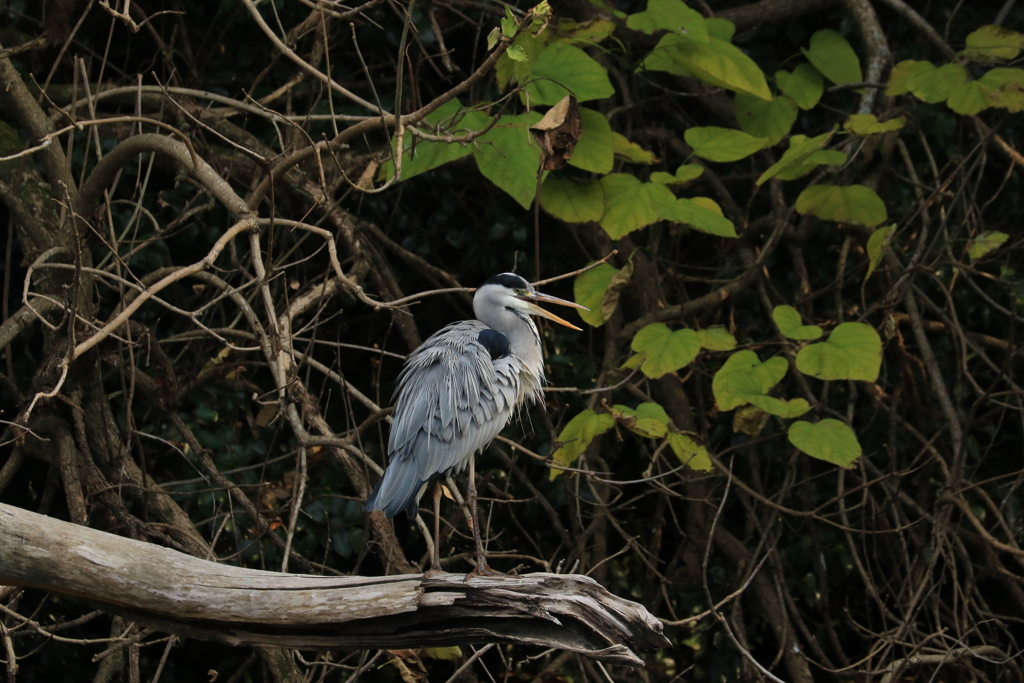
x: 174, y: 592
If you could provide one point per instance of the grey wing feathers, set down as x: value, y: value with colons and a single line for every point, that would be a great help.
x: 452, y: 400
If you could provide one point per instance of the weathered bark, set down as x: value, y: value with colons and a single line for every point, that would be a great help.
x: 171, y: 591
x: 773, y: 12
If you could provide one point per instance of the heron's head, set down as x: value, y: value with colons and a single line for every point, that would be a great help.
x: 512, y: 292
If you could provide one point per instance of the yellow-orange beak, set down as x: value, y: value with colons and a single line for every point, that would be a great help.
x: 534, y: 297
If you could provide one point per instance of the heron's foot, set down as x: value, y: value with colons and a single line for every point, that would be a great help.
x: 482, y: 569
x: 435, y: 568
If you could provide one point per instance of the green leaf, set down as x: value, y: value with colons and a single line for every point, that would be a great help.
x: 509, y: 70
x: 829, y: 440
x: 716, y: 339
x: 666, y: 56
x: 970, y: 97
x: 649, y: 420
x: 985, y: 242
x: 573, y: 201
x: 594, y: 151
x: 801, y: 153
x: 1007, y: 88
x: 723, y: 29
x: 564, y: 69
x: 577, y: 435
x: 589, y: 289
x: 899, y: 77
x: 843, y: 204
x: 1001, y: 77
x: 868, y: 124
x: 804, y: 85
x: 722, y: 144
x: 663, y: 350
x: 749, y: 419
x: 701, y: 213
x: 689, y: 452
x: 780, y: 407
x: 507, y: 157
x: 791, y: 325
x: 509, y: 23
x: 993, y: 43
x: 934, y: 85
x: 419, y: 156
x: 669, y: 15
x: 618, y: 283
x: 629, y: 151
x: 451, y: 653
x: 592, y: 31
x: 517, y: 54
x: 877, y: 244
x: 833, y: 57
x: 717, y: 62
x: 631, y: 204
x: 766, y: 119
x: 599, y: 289
x: 633, y: 362
x: 852, y: 351
x: 824, y: 157
x: 744, y: 375
x: 492, y: 39
x: 683, y: 174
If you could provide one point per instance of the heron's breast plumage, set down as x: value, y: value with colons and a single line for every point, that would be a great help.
x: 452, y: 399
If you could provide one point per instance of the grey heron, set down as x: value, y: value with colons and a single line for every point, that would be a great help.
x: 457, y: 391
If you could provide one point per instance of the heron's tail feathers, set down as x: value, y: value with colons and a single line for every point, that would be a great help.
x: 399, y: 489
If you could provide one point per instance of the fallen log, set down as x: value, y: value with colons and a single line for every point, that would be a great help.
x: 170, y: 591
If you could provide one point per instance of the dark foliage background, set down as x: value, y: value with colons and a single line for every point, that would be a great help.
x: 181, y: 431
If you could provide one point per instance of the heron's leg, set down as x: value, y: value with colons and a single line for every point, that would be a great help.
x: 481, y: 557
x: 435, y: 561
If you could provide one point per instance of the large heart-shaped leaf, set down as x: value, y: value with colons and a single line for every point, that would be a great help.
x: 595, y: 151
x: 716, y: 339
x: 419, y: 156
x: 716, y: 61
x: 832, y: 55
x: 829, y: 440
x: 589, y: 289
x: 791, y: 325
x: 563, y: 69
x: 932, y: 84
x: 507, y: 156
x: 669, y: 15
x: 744, y: 375
x: 574, y: 201
x: 722, y: 144
x: 630, y: 204
x: 689, y: 452
x: 663, y: 350
x: 843, y: 204
x: 683, y: 174
x: 993, y: 43
x: 649, y: 420
x: 852, y: 351
x: 770, y: 119
x: 702, y: 213
x: 804, y: 85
